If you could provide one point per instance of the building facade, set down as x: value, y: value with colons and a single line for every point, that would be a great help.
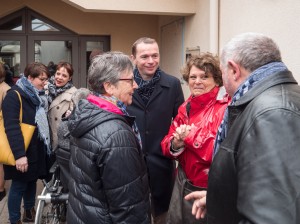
x: 54, y: 30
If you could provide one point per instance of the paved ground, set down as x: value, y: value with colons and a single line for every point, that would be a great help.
x: 3, y: 204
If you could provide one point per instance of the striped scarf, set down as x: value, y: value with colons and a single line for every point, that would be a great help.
x: 255, y: 77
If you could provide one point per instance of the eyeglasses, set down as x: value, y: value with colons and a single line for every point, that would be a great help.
x: 43, y: 79
x: 131, y: 80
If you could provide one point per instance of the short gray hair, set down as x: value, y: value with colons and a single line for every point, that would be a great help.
x: 251, y: 50
x: 107, y: 67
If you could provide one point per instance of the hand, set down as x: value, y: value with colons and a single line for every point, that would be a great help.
x: 22, y: 164
x: 199, y: 205
x: 180, y: 134
x: 68, y: 113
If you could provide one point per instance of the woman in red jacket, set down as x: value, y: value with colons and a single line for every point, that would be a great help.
x: 192, y: 134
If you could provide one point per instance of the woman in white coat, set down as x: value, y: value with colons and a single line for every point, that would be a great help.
x: 60, y: 91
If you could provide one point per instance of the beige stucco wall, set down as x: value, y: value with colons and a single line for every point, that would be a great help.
x: 197, y: 27
x: 278, y: 19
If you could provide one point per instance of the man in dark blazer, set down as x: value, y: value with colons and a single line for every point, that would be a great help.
x: 155, y: 104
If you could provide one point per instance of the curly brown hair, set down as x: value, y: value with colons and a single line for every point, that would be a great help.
x: 206, y: 62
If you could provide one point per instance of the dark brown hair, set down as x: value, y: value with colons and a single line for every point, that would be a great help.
x: 206, y: 62
x: 146, y: 40
x: 67, y: 66
x: 34, y: 70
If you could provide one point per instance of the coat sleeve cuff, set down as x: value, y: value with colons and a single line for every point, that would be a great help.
x: 176, y: 152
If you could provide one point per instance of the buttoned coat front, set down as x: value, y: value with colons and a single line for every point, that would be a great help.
x: 205, y: 113
x: 153, y: 121
x: 57, y: 109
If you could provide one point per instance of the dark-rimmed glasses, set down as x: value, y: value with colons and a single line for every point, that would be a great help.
x: 43, y: 79
x: 131, y: 80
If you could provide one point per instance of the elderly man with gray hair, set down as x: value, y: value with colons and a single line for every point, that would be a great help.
x: 255, y: 174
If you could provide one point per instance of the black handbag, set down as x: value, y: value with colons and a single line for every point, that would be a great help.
x: 180, y: 210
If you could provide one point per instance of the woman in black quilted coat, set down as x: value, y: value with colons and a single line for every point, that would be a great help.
x: 109, y: 181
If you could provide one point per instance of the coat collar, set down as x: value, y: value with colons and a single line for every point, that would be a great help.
x: 67, y: 95
x: 162, y: 83
x: 268, y: 82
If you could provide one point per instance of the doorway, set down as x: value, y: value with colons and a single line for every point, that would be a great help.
x: 26, y: 36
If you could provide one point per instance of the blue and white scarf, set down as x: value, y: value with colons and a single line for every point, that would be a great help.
x: 135, y: 129
x: 41, y: 115
x: 254, y: 78
x: 146, y: 87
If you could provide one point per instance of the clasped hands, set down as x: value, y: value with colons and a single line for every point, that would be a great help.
x: 180, y: 134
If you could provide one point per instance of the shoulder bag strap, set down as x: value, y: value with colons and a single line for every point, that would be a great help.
x: 21, y: 109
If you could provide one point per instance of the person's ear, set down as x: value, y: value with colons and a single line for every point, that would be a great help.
x: 133, y: 59
x: 235, y: 69
x: 109, y: 88
x: 30, y: 78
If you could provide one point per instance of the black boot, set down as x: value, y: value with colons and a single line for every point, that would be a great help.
x: 2, y: 194
x: 29, y: 215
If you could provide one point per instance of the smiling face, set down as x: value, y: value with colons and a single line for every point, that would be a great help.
x: 146, y: 59
x: 61, y: 77
x: 199, y: 82
x: 124, y: 88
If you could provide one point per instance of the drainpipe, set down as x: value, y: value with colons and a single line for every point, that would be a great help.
x: 214, y: 26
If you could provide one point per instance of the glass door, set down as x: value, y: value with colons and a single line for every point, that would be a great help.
x: 90, y: 46
x: 27, y: 36
x: 12, y: 56
x: 49, y: 49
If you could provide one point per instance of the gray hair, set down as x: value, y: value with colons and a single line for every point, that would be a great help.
x: 107, y: 67
x: 251, y: 50
x: 79, y: 94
